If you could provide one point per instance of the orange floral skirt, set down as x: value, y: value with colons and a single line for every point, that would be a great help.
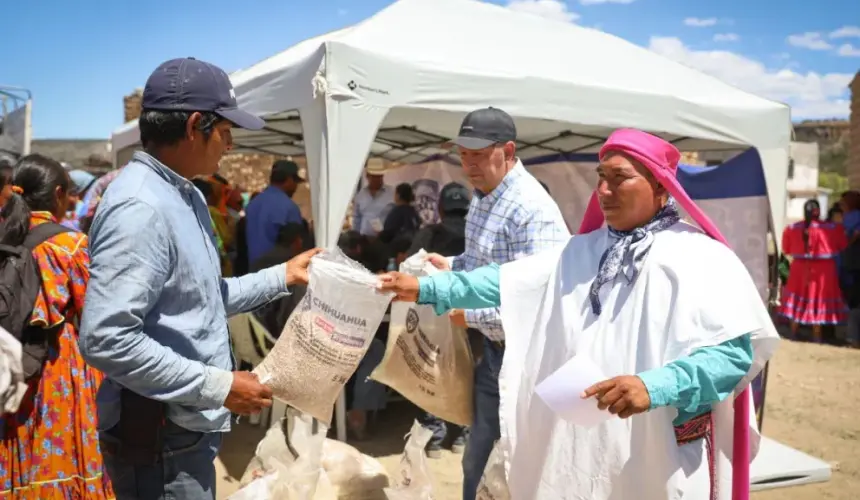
x: 49, y: 449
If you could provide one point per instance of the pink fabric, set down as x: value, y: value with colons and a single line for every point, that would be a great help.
x: 661, y: 158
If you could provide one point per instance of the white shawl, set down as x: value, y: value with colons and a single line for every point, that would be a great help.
x: 692, y: 292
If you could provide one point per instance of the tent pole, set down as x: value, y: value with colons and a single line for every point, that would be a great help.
x: 340, y: 416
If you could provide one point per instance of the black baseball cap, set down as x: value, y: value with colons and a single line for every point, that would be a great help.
x: 453, y: 196
x: 188, y: 84
x: 285, y: 169
x: 484, y: 127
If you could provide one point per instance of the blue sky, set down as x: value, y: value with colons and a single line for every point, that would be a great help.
x: 80, y: 58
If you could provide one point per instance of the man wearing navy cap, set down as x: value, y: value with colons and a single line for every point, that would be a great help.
x: 273, y: 209
x: 155, y: 319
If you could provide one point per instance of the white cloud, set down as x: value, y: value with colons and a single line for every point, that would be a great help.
x: 550, y: 9
x: 848, y: 50
x: 598, y: 2
x: 698, y: 22
x: 810, y: 94
x: 846, y: 32
x: 811, y: 40
x: 726, y: 37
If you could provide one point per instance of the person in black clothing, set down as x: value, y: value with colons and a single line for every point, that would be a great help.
x: 351, y: 243
x: 240, y: 263
x: 364, y: 395
x: 448, y: 237
x: 289, y: 244
x: 399, y: 249
x: 403, y: 220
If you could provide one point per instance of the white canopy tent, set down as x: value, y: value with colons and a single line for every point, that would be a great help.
x: 398, y: 84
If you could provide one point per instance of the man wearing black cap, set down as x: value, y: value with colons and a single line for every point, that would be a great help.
x: 510, y: 216
x: 155, y: 318
x: 448, y: 237
x: 272, y: 209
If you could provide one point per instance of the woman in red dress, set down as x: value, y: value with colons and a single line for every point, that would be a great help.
x: 812, y: 295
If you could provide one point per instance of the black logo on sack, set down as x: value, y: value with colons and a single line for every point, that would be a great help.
x: 411, y: 321
x: 352, y: 85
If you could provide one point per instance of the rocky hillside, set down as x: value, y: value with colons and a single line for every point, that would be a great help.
x: 832, y: 138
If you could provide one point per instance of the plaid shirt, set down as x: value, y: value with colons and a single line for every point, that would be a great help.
x: 516, y: 219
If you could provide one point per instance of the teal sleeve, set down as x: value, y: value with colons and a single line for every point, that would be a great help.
x: 476, y: 289
x: 707, y: 376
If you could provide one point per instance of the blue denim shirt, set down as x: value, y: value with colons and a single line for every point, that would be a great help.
x: 155, y: 317
x: 265, y: 215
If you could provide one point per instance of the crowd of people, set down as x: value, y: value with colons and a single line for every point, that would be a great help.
x: 129, y: 370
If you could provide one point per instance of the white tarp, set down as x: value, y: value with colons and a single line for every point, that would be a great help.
x: 567, y: 85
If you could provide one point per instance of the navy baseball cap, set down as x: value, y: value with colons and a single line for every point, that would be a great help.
x: 484, y: 127
x: 453, y: 196
x: 285, y: 169
x: 188, y: 84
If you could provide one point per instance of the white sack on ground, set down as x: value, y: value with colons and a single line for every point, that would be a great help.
x: 326, y: 336
x: 349, y: 474
x: 415, y: 481
x: 428, y: 360
x: 494, y: 484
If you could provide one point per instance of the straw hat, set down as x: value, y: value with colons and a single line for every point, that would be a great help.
x: 376, y: 166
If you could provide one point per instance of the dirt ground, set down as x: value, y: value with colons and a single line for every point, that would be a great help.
x: 813, y: 405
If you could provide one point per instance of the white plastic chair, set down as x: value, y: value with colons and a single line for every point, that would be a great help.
x: 251, y: 342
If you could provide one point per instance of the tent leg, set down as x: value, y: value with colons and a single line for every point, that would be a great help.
x: 340, y: 416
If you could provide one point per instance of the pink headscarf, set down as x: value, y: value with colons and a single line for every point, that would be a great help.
x: 661, y: 159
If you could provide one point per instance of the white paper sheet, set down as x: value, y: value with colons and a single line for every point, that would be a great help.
x: 562, y: 392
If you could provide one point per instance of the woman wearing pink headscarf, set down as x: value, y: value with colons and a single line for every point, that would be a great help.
x: 664, y: 309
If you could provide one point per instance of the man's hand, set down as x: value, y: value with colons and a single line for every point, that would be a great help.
x: 404, y: 286
x: 623, y: 396
x: 438, y: 261
x: 247, y: 395
x: 297, y: 267
x: 458, y: 318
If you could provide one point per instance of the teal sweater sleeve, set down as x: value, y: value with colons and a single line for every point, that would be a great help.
x: 691, y: 384
x: 694, y: 383
x: 476, y: 289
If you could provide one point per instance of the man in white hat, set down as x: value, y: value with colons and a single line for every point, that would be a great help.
x: 373, y: 202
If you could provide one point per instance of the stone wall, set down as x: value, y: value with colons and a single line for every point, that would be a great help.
x: 820, y: 131
x: 854, y: 135
x: 251, y: 172
x: 87, y: 154
x: 131, y: 105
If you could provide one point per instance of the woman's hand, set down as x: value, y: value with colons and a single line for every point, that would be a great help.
x: 404, y: 286
x: 624, y: 396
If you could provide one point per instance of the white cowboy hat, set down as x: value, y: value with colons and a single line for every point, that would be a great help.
x: 376, y: 166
